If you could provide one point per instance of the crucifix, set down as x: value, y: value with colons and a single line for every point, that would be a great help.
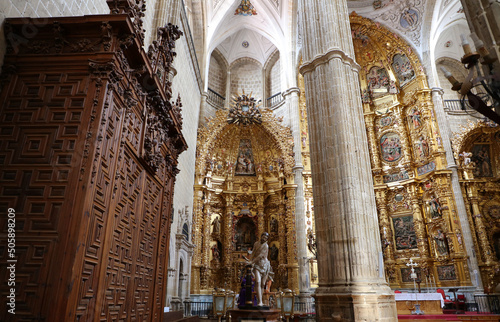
x: 411, y: 264
x: 413, y: 276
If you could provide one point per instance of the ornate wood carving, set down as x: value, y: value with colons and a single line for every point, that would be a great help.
x: 89, y: 149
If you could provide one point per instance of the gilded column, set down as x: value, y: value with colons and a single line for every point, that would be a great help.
x: 405, y: 142
x: 282, y: 237
x: 418, y: 222
x: 484, y: 244
x: 197, y: 238
x: 205, y: 242
x: 291, y: 242
x: 260, y: 215
x: 372, y: 140
x: 228, y: 232
x: 385, y: 226
x: 349, y: 250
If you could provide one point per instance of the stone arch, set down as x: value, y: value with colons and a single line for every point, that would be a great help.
x: 217, y: 76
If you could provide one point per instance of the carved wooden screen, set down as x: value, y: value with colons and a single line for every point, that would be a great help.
x: 88, y: 153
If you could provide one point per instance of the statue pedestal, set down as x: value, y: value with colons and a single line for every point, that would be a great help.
x: 255, y: 315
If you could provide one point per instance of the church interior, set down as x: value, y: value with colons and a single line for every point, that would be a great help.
x: 146, y: 146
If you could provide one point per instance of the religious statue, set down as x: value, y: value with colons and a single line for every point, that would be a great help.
x: 274, y: 225
x: 261, y: 267
x: 434, y: 207
x: 216, y: 225
x: 440, y: 240
x: 273, y: 252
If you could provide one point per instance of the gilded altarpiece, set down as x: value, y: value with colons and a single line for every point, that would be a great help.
x: 416, y: 208
x: 90, y: 140
x: 477, y: 153
x: 243, y: 186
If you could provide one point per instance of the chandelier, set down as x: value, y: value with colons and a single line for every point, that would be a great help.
x: 482, y: 93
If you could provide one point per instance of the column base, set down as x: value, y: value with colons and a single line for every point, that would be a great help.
x: 371, y: 306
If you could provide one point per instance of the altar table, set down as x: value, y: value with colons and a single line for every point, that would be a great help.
x: 430, y: 303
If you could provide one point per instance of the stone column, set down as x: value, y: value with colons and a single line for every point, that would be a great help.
x: 349, y: 249
x: 227, y: 102
x: 167, y: 11
x: 437, y: 98
x: 292, y: 102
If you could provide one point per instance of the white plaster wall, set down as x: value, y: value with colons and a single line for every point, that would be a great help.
x: 185, y: 83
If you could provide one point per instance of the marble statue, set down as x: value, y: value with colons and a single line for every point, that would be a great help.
x: 261, y: 267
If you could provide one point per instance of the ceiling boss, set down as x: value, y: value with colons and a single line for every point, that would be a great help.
x: 244, y: 110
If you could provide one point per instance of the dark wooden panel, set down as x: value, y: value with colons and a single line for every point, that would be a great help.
x: 88, y: 161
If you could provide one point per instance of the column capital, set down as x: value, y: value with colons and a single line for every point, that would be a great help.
x: 291, y: 90
x: 437, y: 90
x: 321, y: 59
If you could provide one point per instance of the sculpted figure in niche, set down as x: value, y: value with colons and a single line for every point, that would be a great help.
x: 261, y: 267
x: 434, y: 208
x: 216, y: 225
x: 273, y: 252
x: 274, y: 225
x: 440, y: 240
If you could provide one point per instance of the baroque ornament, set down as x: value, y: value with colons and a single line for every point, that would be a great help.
x: 244, y: 110
x: 245, y: 9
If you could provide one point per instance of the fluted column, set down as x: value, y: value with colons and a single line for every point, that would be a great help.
x: 437, y: 99
x: 167, y: 11
x: 350, y: 285
x: 292, y: 101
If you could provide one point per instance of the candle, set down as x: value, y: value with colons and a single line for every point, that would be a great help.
x: 480, y: 46
x: 449, y: 76
x: 465, y: 44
